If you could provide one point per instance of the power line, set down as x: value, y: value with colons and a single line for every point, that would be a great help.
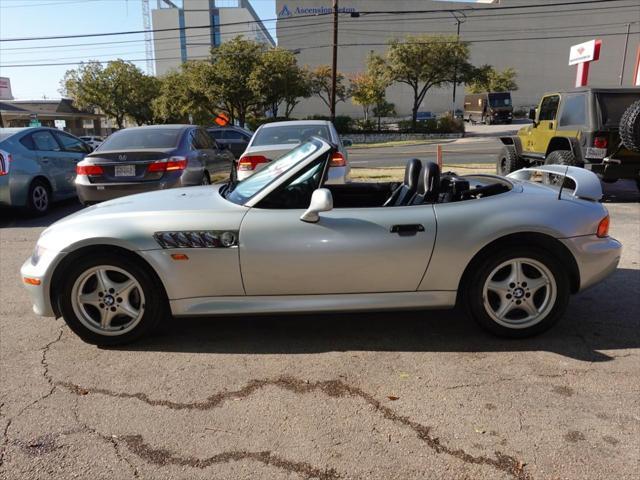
x: 466, y: 9
x: 373, y: 44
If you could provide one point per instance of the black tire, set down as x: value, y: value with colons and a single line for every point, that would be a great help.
x: 555, y: 306
x: 39, y: 198
x: 630, y: 127
x: 206, y: 179
x: 487, y: 120
x: 153, y: 301
x: 561, y: 157
x: 233, y: 175
x: 509, y: 161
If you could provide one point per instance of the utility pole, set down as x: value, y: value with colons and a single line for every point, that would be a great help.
x: 460, y: 18
x: 334, y: 71
x: 624, y: 55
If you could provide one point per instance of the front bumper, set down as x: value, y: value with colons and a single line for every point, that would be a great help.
x: 597, y: 258
x: 42, y: 272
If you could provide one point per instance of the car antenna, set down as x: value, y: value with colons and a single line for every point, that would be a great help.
x: 563, y: 180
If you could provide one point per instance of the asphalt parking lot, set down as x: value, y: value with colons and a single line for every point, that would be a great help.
x: 406, y: 395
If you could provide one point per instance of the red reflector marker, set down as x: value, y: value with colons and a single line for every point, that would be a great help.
x: 603, y: 227
x: 89, y: 170
x: 250, y: 162
x: 31, y: 281
x: 600, y: 142
x: 337, y: 160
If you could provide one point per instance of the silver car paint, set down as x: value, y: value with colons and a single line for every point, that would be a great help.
x: 348, y: 250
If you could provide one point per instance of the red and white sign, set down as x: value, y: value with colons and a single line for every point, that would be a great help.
x: 584, y: 52
x: 582, y: 55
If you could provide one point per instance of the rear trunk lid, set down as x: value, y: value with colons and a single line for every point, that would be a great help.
x: 271, y: 152
x: 127, y: 165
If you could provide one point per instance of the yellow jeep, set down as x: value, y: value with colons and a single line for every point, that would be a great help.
x: 595, y: 128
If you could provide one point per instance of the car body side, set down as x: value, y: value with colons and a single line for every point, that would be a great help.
x: 460, y: 232
x: 57, y: 171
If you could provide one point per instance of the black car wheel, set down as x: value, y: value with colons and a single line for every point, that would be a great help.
x: 206, y: 180
x: 109, y: 299
x: 509, y: 161
x: 39, y: 198
x: 518, y: 292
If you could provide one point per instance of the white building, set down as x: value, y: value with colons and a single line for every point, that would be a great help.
x: 199, y: 25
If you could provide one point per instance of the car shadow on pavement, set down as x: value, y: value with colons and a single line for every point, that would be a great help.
x: 601, y: 319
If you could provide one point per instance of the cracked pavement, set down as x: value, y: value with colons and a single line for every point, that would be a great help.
x: 347, y: 396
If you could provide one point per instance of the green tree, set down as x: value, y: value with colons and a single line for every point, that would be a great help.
x: 118, y: 90
x: 147, y: 91
x: 384, y: 109
x: 296, y: 91
x: 233, y: 65
x: 369, y: 89
x: 278, y: 79
x: 320, y: 81
x: 489, y: 79
x: 427, y: 61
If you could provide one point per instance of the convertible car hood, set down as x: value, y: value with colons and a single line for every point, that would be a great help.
x: 131, y: 221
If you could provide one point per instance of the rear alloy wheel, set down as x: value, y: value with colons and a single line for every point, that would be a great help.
x: 509, y: 161
x: 519, y: 292
x: 110, y: 300
x: 39, y: 198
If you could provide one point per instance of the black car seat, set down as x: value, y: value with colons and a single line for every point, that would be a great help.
x: 429, y: 184
x: 406, y: 191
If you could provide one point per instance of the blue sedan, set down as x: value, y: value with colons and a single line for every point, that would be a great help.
x: 38, y: 167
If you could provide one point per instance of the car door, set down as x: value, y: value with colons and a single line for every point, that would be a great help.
x: 51, y: 160
x: 546, y: 124
x: 73, y: 151
x: 216, y: 158
x: 350, y: 250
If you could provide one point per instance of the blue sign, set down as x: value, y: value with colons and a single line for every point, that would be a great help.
x: 287, y: 12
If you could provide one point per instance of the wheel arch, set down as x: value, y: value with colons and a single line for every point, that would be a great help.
x: 542, y: 240
x: 68, y: 260
x: 513, y: 141
x: 564, y: 143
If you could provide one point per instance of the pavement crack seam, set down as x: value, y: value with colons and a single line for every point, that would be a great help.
x: 45, y: 373
x: 163, y: 457
x: 332, y: 388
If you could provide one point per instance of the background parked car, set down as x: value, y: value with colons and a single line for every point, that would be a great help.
x: 424, y: 116
x: 93, y: 142
x: 272, y: 140
x: 235, y: 138
x: 149, y: 158
x: 37, y: 167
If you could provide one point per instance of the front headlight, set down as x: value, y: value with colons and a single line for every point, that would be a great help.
x: 37, y: 254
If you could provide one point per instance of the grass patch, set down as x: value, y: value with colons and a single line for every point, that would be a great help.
x: 396, y: 174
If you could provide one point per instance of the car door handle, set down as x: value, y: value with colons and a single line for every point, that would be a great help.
x: 407, y: 229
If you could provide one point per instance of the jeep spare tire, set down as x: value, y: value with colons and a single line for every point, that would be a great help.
x: 630, y: 127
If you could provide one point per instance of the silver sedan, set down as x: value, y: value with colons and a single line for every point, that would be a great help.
x: 507, y: 248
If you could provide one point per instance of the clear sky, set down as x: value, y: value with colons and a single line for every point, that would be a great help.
x: 33, y: 18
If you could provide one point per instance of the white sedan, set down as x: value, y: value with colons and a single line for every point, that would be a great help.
x: 273, y: 140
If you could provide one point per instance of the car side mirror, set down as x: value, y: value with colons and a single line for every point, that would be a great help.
x: 532, y: 114
x: 347, y: 142
x: 321, y: 201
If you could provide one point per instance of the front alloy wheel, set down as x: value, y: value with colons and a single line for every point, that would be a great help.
x: 111, y: 298
x: 518, y: 292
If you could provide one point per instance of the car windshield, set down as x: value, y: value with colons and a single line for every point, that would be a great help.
x: 500, y: 99
x: 246, y: 189
x: 613, y: 105
x: 142, y: 138
x: 287, y: 134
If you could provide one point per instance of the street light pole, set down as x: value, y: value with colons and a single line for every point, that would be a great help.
x: 334, y: 71
x: 624, y: 55
x: 459, y: 20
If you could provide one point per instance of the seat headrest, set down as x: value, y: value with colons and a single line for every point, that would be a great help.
x: 412, y: 173
x: 430, y: 179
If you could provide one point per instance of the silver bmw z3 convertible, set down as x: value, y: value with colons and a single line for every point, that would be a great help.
x: 509, y: 249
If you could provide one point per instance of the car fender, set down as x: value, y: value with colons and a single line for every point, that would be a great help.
x: 513, y: 141
x: 564, y: 143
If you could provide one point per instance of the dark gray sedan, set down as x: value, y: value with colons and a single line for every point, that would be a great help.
x: 149, y: 158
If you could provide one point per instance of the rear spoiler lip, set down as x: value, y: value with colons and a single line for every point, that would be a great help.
x: 587, y: 183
